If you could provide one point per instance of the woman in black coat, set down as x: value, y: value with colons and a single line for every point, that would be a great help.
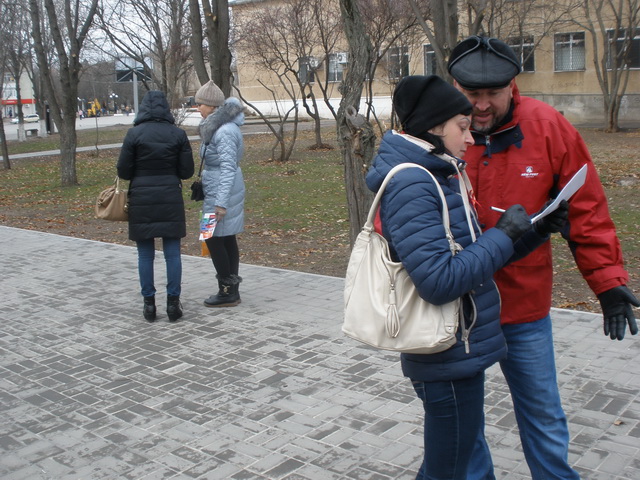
x: 156, y: 155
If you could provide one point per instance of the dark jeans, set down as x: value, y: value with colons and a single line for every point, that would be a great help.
x: 452, y: 422
x: 530, y: 371
x: 173, y: 261
x: 225, y: 255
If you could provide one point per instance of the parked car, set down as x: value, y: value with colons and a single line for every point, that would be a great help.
x: 31, y: 118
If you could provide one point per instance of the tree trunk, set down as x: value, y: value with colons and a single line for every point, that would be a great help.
x: 444, y: 18
x: 62, y: 106
x: 357, y: 140
x: 611, y: 114
x: 68, y: 143
x: 5, y: 147
x: 355, y: 134
x: 312, y: 111
x: 219, y: 44
x: 197, y: 38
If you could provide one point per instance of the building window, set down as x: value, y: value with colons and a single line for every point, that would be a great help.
x: 430, y: 64
x: 569, y: 51
x: 307, y: 71
x: 398, y: 62
x: 524, y: 49
x: 633, y: 58
x: 337, y: 62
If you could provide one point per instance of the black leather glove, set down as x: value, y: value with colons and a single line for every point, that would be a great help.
x: 617, y: 312
x: 514, y: 222
x: 555, y: 221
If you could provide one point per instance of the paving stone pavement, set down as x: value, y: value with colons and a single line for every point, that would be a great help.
x: 270, y: 389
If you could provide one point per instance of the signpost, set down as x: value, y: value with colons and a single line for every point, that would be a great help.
x: 130, y: 70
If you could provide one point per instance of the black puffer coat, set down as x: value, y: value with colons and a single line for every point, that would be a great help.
x: 156, y: 155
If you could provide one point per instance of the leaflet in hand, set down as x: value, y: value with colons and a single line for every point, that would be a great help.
x: 207, y: 225
x: 569, y: 189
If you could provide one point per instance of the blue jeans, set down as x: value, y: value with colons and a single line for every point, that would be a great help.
x: 530, y: 371
x: 146, y: 255
x: 452, y: 423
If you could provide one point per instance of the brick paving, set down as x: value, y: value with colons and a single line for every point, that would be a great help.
x: 270, y: 389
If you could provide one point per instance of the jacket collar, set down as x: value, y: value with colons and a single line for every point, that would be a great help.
x: 230, y: 111
x: 423, y: 144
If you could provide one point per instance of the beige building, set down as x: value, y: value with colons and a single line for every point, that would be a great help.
x: 558, y: 66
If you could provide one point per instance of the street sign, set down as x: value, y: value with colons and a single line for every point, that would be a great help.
x: 126, y: 66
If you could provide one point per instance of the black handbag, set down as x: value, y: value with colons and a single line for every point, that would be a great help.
x: 197, y: 193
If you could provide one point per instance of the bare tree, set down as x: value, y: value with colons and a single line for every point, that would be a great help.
x: 613, y: 25
x: 284, y: 141
x: 355, y: 133
x: 505, y: 19
x: 268, y: 43
x: 17, y: 51
x: 216, y: 44
x: 3, y: 67
x: 389, y: 25
x: 156, y: 35
x: 294, y: 42
x: 439, y: 20
x: 68, y: 33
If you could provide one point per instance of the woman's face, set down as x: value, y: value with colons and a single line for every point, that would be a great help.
x: 455, y: 134
x: 205, y: 110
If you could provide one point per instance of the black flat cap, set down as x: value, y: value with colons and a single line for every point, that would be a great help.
x: 481, y: 62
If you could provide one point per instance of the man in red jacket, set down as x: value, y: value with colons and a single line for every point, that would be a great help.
x: 525, y: 152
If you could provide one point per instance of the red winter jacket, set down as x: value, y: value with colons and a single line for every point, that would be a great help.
x: 527, y: 161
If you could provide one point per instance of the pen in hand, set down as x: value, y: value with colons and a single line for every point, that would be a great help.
x: 496, y: 209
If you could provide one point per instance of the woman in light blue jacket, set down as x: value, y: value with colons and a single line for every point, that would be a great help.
x: 221, y: 150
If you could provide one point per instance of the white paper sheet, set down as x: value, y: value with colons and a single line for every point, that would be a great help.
x: 569, y: 189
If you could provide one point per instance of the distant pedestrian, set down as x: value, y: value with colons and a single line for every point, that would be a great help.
x: 156, y: 155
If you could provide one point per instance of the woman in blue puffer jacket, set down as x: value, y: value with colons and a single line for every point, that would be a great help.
x: 221, y: 150
x: 436, y: 119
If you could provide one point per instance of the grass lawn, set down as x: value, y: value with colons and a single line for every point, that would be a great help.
x: 296, y: 216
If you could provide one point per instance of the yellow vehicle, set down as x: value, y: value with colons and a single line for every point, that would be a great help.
x: 94, y: 108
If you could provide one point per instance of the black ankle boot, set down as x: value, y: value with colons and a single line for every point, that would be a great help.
x: 149, y: 309
x: 235, y: 289
x: 228, y: 295
x: 174, y: 308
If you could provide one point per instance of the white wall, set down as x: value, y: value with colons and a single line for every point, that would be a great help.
x: 382, y: 107
x: 579, y: 109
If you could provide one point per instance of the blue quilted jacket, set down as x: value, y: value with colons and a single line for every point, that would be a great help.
x: 410, y: 212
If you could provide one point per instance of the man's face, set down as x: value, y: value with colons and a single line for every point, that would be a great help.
x: 490, y: 105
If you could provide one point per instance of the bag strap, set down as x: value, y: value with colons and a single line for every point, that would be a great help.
x: 200, y: 169
x: 445, y: 210
x: 117, y: 184
x: 465, y: 188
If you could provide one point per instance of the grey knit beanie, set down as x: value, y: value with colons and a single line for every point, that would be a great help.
x: 210, y: 94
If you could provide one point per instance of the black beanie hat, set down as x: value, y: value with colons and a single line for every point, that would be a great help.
x: 422, y: 102
x: 481, y: 62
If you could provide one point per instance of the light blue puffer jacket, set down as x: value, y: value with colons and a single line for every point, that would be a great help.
x: 222, y: 149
